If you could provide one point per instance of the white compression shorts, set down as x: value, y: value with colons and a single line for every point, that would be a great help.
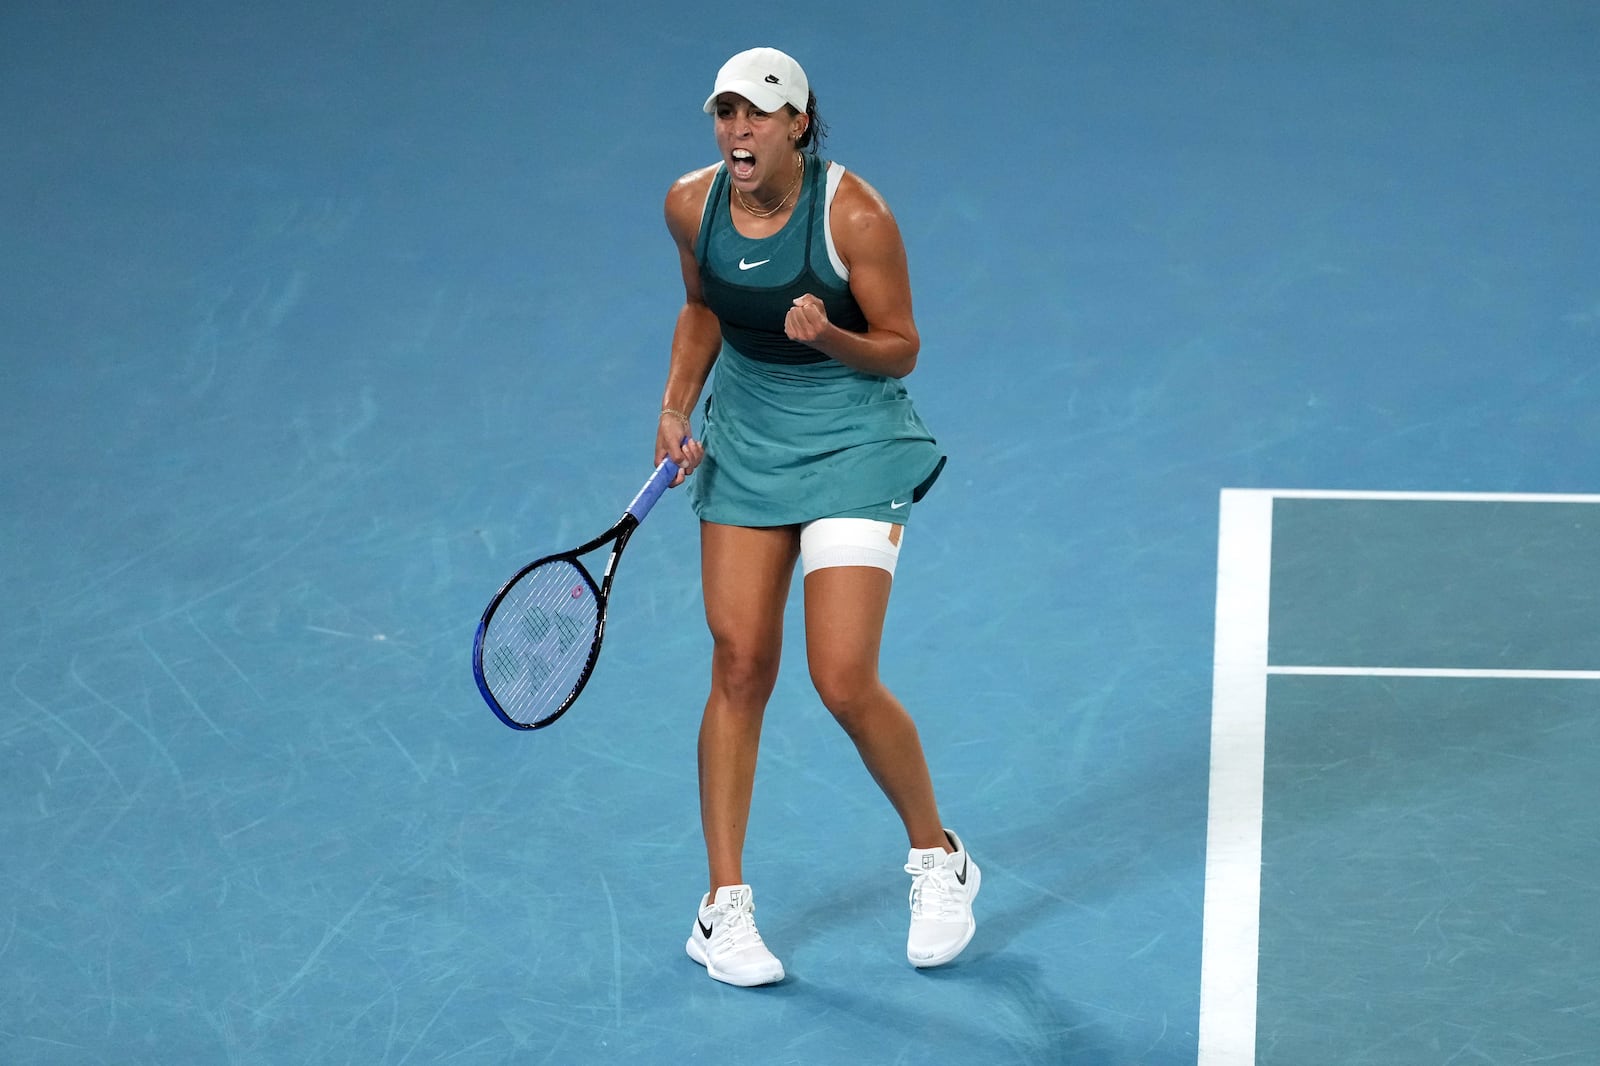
x: 850, y: 542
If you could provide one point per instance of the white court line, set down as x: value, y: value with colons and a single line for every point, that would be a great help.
x: 1422, y: 671
x: 1230, y: 940
x: 1425, y: 497
x: 1232, y: 916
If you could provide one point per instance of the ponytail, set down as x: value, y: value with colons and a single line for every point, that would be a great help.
x: 816, y: 130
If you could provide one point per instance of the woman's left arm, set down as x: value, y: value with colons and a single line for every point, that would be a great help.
x: 868, y: 240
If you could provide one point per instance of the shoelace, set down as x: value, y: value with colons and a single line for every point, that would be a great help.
x: 935, y: 893
x: 736, y: 929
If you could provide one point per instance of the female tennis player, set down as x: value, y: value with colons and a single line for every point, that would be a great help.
x: 798, y: 294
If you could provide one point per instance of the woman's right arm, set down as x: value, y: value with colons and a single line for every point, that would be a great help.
x: 697, y: 337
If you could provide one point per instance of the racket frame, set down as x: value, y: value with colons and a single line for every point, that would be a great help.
x: 619, y: 533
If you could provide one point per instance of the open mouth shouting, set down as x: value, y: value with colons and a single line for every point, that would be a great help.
x: 742, y: 164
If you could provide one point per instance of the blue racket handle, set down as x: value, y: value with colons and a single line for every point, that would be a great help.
x: 653, y: 489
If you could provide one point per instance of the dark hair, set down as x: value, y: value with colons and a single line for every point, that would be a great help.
x: 816, y: 130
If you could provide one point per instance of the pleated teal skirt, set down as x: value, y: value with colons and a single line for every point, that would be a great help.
x: 787, y: 444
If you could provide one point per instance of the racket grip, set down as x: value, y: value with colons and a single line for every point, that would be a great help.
x: 652, y: 490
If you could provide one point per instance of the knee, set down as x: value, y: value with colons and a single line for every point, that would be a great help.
x: 848, y: 691
x: 744, y: 672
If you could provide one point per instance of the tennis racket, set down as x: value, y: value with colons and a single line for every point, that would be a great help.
x: 540, y: 636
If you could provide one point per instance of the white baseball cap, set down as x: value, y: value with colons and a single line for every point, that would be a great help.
x: 766, y: 77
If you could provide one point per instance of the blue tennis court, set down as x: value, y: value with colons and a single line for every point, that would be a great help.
x: 1262, y: 340
x: 1401, y: 802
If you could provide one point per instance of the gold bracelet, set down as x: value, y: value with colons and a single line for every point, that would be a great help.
x: 675, y: 413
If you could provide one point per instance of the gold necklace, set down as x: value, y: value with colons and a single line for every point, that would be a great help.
x: 800, y: 171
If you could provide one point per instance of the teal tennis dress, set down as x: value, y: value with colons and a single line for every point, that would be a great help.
x: 791, y: 435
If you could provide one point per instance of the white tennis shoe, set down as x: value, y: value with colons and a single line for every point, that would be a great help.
x: 725, y: 941
x: 943, y: 886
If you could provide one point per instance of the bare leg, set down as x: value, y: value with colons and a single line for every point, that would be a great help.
x: 745, y: 574
x: 845, y: 609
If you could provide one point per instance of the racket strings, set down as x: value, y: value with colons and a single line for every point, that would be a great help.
x: 539, y: 644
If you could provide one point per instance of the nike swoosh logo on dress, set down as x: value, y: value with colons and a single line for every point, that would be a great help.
x: 751, y: 266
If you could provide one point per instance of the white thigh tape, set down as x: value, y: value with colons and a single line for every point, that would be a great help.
x: 849, y: 542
